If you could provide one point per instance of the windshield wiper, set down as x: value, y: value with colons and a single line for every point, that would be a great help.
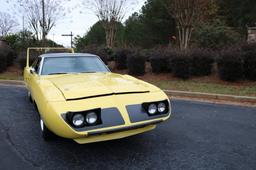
x: 56, y: 73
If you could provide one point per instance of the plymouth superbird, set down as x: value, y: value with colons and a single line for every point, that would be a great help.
x: 78, y: 97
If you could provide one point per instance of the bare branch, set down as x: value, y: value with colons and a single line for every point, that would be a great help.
x: 186, y: 13
x: 109, y: 12
x: 32, y: 9
x: 7, y: 23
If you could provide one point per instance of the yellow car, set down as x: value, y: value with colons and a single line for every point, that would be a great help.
x: 77, y: 97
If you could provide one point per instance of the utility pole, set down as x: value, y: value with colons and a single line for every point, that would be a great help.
x: 23, y: 28
x: 43, y: 8
x: 71, y: 36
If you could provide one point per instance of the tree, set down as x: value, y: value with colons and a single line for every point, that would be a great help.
x: 7, y: 23
x: 96, y: 36
x: 42, y: 15
x: 215, y: 35
x: 109, y: 12
x: 238, y: 13
x: 135, y: 31
x: 159, y: 26
x: 186, y: 13
x: 22, y: 40
x: 152, y: 26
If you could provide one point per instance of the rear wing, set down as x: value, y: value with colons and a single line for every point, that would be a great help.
x: 45, y: 49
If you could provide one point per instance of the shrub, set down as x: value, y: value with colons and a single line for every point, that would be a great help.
x: 136, y: 64
x: 121, y: 59
x: 248, y: 46
x: 22, y: 58
x: 180, y: 64
x: 100, y: 51
x: 230, y: 65
x: 7, y: 57
x: 3, y: 61
x: 147, y: 53
x: 159, y: 65
x: 159, y: 62
x: 249, y: 58
x: 201, y: 62
x: 11, y: 56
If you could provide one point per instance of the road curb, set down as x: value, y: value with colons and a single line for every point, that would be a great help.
x: 211, y: 96
x: 12, y: 82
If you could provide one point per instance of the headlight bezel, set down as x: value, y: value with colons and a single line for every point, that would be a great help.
x: 70, y: 116
x: 145, y: 107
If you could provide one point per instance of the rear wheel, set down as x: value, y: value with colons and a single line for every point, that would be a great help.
x: 46, y: 133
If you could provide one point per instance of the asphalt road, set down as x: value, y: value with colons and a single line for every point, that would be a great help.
x: 199, y: 136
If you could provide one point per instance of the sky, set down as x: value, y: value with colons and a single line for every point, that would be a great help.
x: 77, y: 22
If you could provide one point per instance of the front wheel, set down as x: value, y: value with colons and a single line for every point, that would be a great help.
x: 46, y: 133
x: 30, y: 97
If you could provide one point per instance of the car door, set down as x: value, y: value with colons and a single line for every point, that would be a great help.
x: 33, y: 77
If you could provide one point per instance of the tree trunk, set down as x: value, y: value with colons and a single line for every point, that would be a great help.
x: 110, y: 29
x: 184, y: 36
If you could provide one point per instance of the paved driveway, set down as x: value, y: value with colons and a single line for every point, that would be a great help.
x: 199, y: 136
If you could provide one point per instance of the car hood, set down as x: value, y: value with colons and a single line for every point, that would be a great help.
x: 88, y: 85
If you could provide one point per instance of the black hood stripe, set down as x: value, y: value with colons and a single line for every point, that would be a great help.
x: 109, y: 94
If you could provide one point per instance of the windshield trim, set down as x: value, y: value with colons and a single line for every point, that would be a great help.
x: 43, y: 58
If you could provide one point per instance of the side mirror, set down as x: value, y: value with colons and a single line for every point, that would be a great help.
x: 32, y: 70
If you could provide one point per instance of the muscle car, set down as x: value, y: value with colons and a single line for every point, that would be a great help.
x: 79, y: 98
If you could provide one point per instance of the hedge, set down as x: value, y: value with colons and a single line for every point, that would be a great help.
x: 201, y: 62
x: 249, y: 60
x: 10, y: 57
x: 248, y: 46
x: 22, y: 58
x: 7, y: 57
x: 121, y: 59
x: 3, y: 61
x: 230, y: 65
x: 159, y: 62
x: 180, y: 64
x: 102, y: 52
x: 136, y: 64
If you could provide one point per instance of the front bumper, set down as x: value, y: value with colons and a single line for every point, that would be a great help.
x: 121, y: 129
x: 114, y: 135
x: 131, y: 124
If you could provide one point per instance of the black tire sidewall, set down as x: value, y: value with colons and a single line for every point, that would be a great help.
x: 46, y: 133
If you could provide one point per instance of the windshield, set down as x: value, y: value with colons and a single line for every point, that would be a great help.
x: 72, y: 64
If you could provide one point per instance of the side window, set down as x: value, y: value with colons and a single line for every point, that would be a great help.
x: 36, y: 65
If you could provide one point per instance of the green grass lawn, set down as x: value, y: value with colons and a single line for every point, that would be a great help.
x: 207, y: 87
x: 10, y: 76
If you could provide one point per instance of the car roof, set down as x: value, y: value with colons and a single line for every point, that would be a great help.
x: 67, y: 55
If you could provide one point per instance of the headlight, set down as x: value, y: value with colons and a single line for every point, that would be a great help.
x: 78, y: 120
x: 156, y: 108
x: 161, y: 107
x: 91, y: 118
x: 152, y: 109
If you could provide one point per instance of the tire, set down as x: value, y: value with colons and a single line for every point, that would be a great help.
x: 46, y: 133
x: 29, y: 97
